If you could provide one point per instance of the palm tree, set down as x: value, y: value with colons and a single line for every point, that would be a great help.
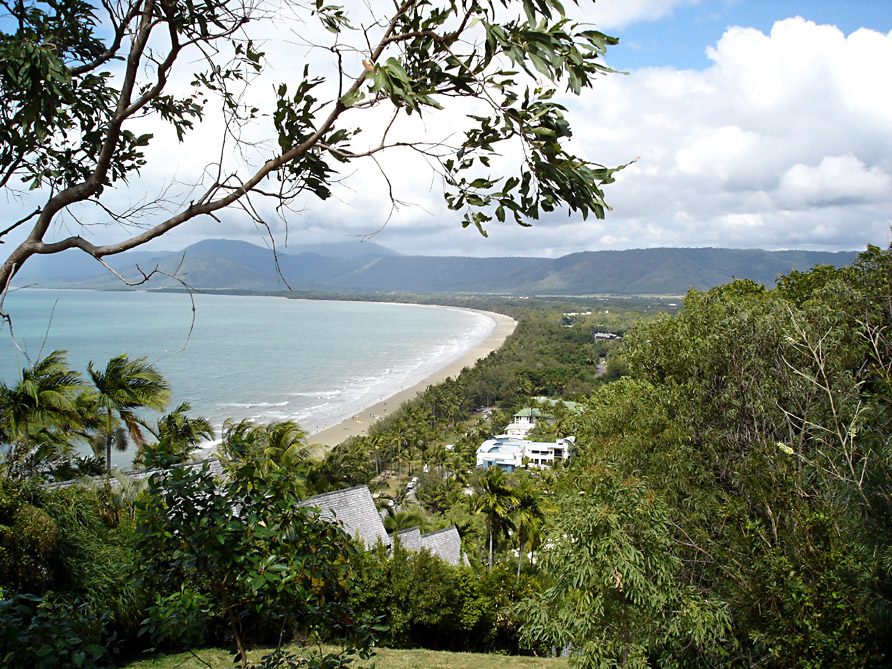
x: 397, y: 521
x: 122, y: 387
x: 495, y: 499
x: 436, y: 455
x: 183, y: 432
x: 98, y: 439
x: 269, y: 447
x: 563, y: 421
x: 400, y: 433
x: 39, y: 412
x: 529, y: 514
x: 376, y: 441
x: 178, y: 434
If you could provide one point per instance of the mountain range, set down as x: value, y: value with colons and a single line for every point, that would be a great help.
x: 218, y: 264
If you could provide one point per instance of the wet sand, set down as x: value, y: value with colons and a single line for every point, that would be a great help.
x: 360, y: 422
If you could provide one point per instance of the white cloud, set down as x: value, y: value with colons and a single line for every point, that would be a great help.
x: 837, y: 180
x: 612, y: 14
x: 719, y: 153
x: 784, y: 142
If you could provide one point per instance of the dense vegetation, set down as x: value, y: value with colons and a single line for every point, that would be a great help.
x: 728, y: 503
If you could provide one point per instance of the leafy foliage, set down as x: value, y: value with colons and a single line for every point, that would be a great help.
x: 613, y: 598
x: 758, y: 418
x: 42, y: 633
x: 67, y: 573
x: 37, y: 413
x: 425, y: 602
x: 71, y: 118
x: 270, y: 566
x: 28, y: 537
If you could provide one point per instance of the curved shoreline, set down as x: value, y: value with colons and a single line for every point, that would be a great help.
x: 358, y: 423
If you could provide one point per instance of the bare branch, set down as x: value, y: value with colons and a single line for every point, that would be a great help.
x: 22, y: 221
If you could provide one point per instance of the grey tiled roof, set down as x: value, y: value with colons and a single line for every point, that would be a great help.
x: 355, y: 508
x: 445, y: 544
x: 410, y: 539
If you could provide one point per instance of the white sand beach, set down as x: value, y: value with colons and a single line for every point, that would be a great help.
x: 360, y: 422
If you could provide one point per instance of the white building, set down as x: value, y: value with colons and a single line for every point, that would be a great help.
x: 510, y: 453
x: 528, y: 417
x: 523, y: 422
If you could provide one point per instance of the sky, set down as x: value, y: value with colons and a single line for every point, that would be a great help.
x: 755, y: 124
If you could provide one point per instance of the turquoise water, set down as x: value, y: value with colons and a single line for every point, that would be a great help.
x: 265, y: 358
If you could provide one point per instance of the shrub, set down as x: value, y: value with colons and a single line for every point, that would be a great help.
x: 37, y: 633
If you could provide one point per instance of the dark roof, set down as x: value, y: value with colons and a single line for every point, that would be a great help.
x: 355, y: 508
x: 410, y: 539
x: 445, y: 544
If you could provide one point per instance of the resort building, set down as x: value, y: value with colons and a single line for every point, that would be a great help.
x: 510, y: 453
x: 524, y: 421
x: 527, y: 418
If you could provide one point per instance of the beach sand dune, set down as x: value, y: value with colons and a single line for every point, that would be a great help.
x: 359, y: 423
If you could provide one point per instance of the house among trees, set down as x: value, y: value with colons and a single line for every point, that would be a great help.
x: 525, y: 420
x: 355, y: 509
x: 510, y: 453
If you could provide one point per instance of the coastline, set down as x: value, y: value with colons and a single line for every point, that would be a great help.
x: 358, y: 423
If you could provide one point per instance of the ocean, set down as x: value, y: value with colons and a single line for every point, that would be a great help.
x: 264, y: 358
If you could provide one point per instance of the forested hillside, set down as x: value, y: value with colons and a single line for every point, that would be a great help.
x: 730, y: 503
x: 370, y: 268
x: 727, y: 502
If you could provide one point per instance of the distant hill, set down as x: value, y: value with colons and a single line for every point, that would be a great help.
x: 664, y: 271
x: 366, y: 267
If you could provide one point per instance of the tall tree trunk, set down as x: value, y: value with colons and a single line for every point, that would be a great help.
x: 108, y: 441
x: 235, y: 625
x: 519, y: 552
x: 490, y: 551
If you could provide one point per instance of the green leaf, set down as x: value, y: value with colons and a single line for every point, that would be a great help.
x: 352, y: 98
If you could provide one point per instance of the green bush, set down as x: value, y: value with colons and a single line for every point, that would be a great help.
x: 37, y: 633
x: 254, y: 561
x: 28, y: 538
x: 427, y: 603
